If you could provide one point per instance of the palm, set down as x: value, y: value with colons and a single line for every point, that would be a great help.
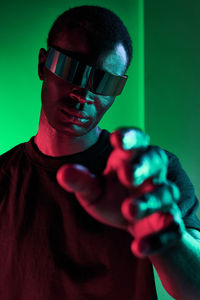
x: 107, y: 208
x: 101, y: 197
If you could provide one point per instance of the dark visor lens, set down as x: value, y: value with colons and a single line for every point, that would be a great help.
x: 85, y: 76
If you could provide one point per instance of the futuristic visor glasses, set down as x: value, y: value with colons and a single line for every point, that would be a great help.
x: 85, y: 76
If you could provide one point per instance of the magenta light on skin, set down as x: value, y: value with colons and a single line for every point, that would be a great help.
x: 85, y: 76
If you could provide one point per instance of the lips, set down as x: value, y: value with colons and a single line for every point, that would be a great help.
x: 75, y: 117
x: 74, y: 114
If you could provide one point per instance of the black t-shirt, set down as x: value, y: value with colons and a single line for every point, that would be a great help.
x: 50, y: 248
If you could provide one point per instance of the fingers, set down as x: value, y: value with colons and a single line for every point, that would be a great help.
x: 100, y: 197
x: 150, y: 209
x: 77, y: 179
x: 152, y: 163
x: 126, y: 143
x: 156, y: 222
x: 160, y: 199
x: 129, y: 139
x: 156, y: 243
x: 157, y: 232
x: 134, y: 160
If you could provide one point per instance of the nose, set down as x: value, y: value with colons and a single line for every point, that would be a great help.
x: 81, y: 94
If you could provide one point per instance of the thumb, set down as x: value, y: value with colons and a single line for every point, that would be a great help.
x: 79, y: 180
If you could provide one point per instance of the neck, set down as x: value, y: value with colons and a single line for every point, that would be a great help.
x: 54, y: 143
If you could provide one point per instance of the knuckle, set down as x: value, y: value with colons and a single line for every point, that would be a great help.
x: 129, y: 138
x: 134, y: 138
x: 160, y: 154
x: 174, y: 190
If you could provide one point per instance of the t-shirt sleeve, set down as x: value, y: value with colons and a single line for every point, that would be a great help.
x: 188, y: 202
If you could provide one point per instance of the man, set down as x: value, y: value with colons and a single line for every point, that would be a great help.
x: 85, y: 214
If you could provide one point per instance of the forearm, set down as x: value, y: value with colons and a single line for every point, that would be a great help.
x: 179, y: 268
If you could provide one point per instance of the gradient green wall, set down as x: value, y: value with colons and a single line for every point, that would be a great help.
x: 172, y: 73
x: 172, y: 66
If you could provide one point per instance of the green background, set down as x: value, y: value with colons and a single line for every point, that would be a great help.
x: 162, y: 92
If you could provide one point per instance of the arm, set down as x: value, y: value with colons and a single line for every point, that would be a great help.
x: 179, y: 267
x: 136, y: 196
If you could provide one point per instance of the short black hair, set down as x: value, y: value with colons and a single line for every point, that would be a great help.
x: 105, y: 28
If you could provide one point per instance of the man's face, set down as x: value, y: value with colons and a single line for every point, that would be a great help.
x: 70, y: 109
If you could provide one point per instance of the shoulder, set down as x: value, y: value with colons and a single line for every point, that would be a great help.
x: 10, y: 158
x: 172, y: 158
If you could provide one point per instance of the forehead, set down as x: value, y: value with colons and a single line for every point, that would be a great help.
x: 77, y: 45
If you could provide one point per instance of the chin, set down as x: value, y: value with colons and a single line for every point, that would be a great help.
x: 73, y: 130
x: 64, y: 127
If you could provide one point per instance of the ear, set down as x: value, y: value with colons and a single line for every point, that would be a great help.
x: 41, y: 63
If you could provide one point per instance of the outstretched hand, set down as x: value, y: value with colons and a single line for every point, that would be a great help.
x: 133, y: 192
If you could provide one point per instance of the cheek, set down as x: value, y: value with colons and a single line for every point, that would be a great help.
x: 44, y: 89
x: 49, y: 96
x: 50, y: 87
x: 103, y: 103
